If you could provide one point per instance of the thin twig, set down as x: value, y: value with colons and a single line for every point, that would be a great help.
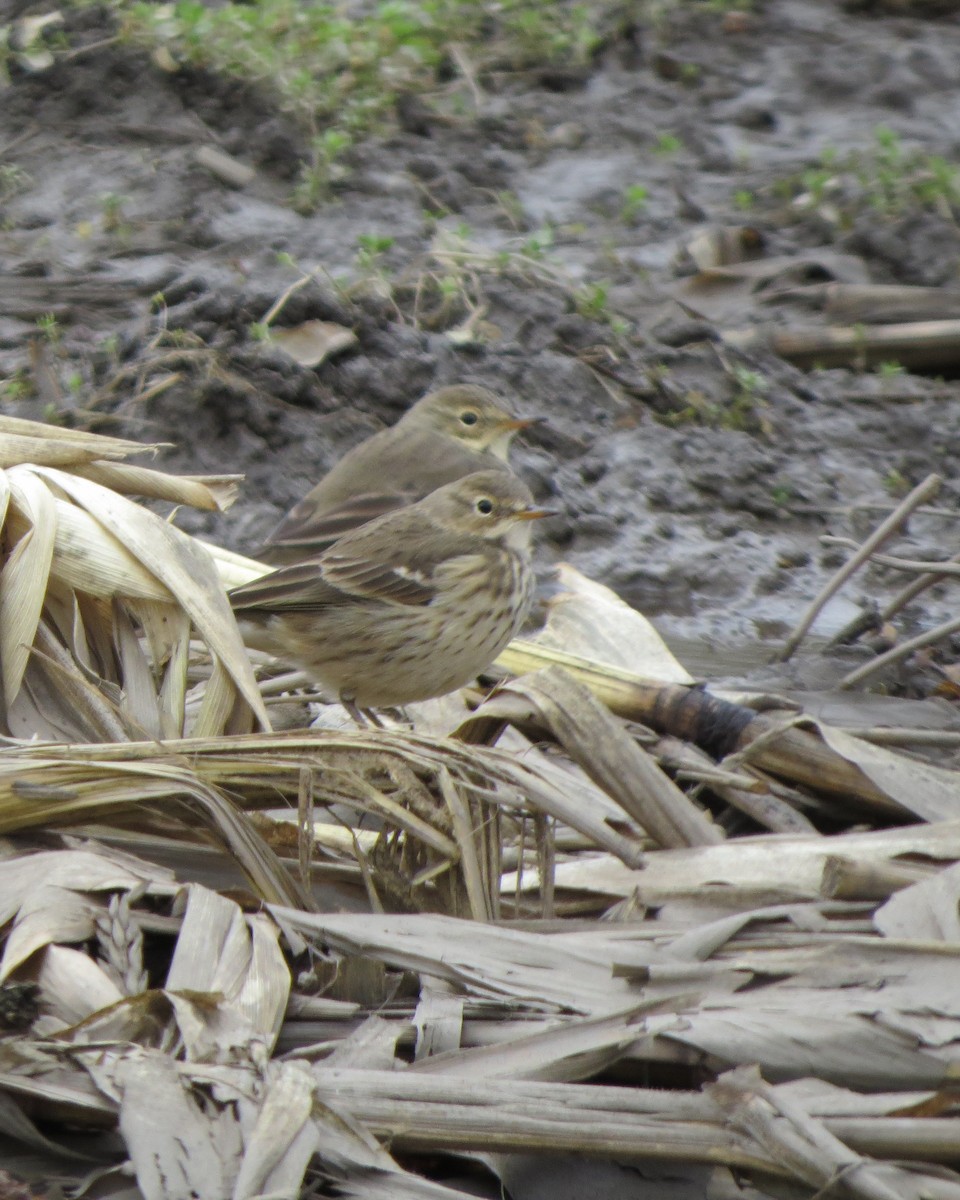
x: 886, y: 529
x: 19, y: 140
x: 897, y: 653
x: 846, y: 510
x: 277, y: 307
x: 305, y: 820
x: 890, y: 560
x: 915, y: 588
x: 467, y: 70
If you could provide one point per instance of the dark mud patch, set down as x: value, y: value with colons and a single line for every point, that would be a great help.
x: 700, y: 504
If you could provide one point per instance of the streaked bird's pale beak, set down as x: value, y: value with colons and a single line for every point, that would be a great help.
x: 523, y: 422
x: 536, y: 514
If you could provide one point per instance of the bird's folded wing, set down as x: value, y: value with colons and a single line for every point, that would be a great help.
x: 318, y: 584
x: 376, y: 579
x: 305, y: 531
x: 294, y: 588
x: 403, y: 559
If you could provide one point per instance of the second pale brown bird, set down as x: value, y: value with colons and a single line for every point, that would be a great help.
x: 411, y: 605
x: 444, y: 436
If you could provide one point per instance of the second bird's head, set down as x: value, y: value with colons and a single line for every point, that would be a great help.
x: 470, y: 414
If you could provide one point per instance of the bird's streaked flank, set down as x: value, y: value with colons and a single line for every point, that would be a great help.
x: 411, y: 605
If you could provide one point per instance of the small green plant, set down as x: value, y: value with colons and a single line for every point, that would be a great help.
x: 538, y: 243
x: 781, y: 494
x: 883, y: 174
x: 890, y: 370
x: 342, y: 68
x: 634, y: 202
x: 895, y: 483
x: 14, y: 387
x: 592, y: 300
x: 49, y: 328
x: 114, y: 220
x: 667, y: 143
x: 695, y: 409
x: 13, y: 179
x: 511, y: 207
x: 745, y: 410
x: 744, y: 199
x: 371, y: 247
x: 110, y: 346
x: 886, y: 177
x: 565, y: 36
x: 935, y: 181
x: 815, y: 181
x: 317, y: 177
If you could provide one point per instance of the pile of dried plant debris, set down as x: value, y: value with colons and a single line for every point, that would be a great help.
x: 512, y: 950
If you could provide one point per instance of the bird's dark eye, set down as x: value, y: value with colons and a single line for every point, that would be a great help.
x: 468, y: 417
x: 485, y: 506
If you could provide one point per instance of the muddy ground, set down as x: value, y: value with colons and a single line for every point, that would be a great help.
x: 694, y: 479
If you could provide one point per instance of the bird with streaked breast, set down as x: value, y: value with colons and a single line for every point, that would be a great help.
x: 446, y: 435
x: 412, y: 605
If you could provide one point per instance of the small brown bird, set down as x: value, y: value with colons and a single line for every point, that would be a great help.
x: 446, y: 435
x: 411, y: 605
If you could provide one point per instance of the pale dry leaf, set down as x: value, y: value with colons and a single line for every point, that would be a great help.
x: 763, y: 868
x: 94, y: 445
x: 212, y: 493
x: 926, y: 911
x: 278, y: 1149
x: 175, y: 1147
x: 83, y: 870
x: 721, y: 245
x: 48, y: 913
x: 16, y: 449
x: 438, y: 1020
x: 589, y: 619
x: 311, y: 342
x: 140, y: 706
x: 90, y: 559
x: 222, y: 953
x: 372, y: 1045
x: 62, y: 701
x: 235, y: 569
x: 73, y: 987
x: 479, y: 960
x: 569, y: 1050
x: 23, y: 581
x: 217, y: 704
x: 4, y: 498
x: 922, y: 789
x: 168, y: 631
x: 55, y: 897
x: 182, y: 564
